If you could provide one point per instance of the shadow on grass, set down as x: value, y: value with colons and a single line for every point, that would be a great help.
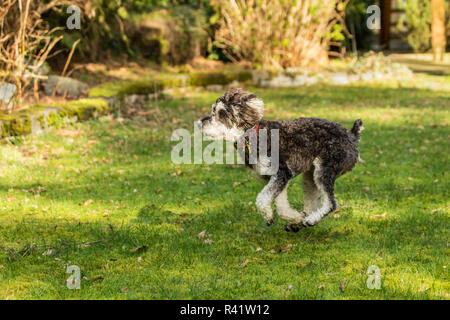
x: 155, y: 226
x: 169, y: 242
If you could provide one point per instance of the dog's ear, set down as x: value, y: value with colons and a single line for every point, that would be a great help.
x: 247, y: 108
x: 247, y: 99
x: 251, y: 111
x: 257, y: 105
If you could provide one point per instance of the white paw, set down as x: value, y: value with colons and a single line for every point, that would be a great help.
x: 268, y: 220
x: 292, y: 216
x: 310, y: 220
x: 265, y: 210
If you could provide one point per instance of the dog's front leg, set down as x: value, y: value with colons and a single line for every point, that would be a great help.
x: 265, y: 198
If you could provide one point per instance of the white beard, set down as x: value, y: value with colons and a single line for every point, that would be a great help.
x: 217, y: 131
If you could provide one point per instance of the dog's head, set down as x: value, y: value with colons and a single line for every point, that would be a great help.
x: 233, y: 113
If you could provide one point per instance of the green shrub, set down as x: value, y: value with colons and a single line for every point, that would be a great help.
x: 172, y: 31
x: 355, y: 18
x: 175, y: 35
x: 418, y: 21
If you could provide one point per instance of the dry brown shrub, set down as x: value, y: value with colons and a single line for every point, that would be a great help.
x: 277, y: 33
x: 26, y: 41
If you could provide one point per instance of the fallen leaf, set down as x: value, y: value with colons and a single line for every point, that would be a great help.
x: 48, y: 252
x: 342, y: 286
x: 144, y: 113
x: 140, y: 248
x: 98, y: 278
x: 125, y: 289
x: 69, y: 133
x: 243, y: 264
x: 2, y: 266
x: 139, y: 259
x: 272, y: 251
x: 208, y: 241
x: 423, y: 288
x: 379, y: 216
x: 438, y: 210
x: 202, y: 234
x: 286, y: 248
x: 88, y: 202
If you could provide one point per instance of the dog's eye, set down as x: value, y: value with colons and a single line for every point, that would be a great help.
x: 222, y: 114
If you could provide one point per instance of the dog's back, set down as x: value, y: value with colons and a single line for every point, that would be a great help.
x: 304, y: 139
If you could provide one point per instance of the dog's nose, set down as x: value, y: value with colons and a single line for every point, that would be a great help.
x: 204, y: 119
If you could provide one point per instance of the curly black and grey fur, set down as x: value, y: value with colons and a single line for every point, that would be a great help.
x: 319, y: 149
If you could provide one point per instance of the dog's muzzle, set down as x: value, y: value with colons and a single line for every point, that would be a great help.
x: 202, y: 120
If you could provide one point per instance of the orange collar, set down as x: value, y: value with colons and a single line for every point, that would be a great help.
x: 246, y: 144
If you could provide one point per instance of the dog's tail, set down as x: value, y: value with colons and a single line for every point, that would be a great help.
x: 357, y: 128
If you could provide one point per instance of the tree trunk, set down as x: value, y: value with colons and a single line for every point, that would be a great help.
x: 438, y: 29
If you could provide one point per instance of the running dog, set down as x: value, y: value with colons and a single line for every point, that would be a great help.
x: 319, y: 149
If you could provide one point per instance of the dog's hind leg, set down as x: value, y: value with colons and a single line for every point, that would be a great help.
x: 285, y: 211
x: 311, y: 193
x: 324, y: 178
x: 311, y: 199
x: 265, y: 198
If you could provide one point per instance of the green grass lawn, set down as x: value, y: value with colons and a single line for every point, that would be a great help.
x: 104, y: 195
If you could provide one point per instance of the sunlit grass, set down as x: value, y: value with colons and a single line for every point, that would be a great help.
x: 109, y: 200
